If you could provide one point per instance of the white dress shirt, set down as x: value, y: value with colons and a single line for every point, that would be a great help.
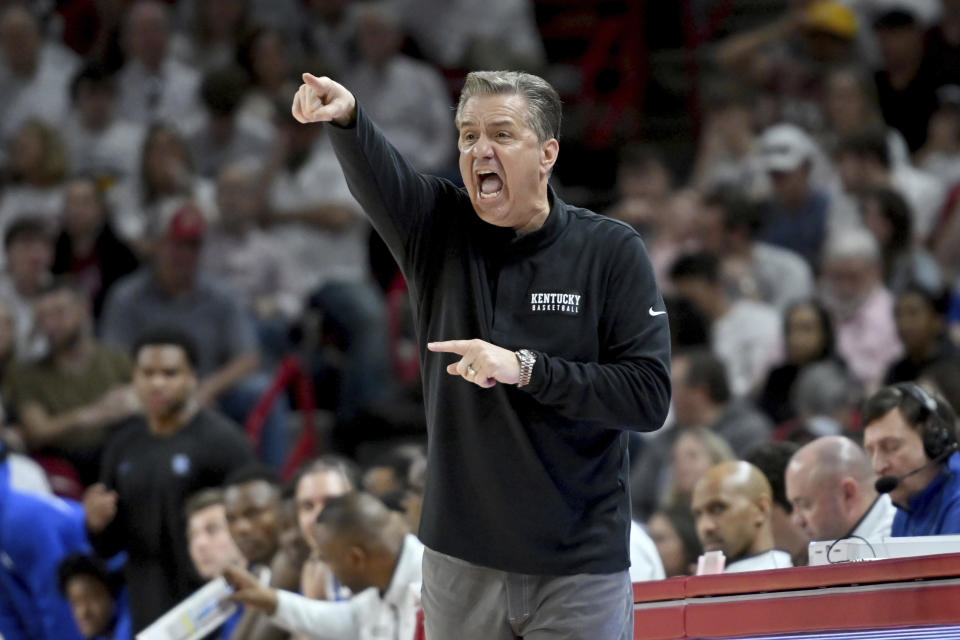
x: 369, y: 615
x: 877, y: 522
x: 773, y: 559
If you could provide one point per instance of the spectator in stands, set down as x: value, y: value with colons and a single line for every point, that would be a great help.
x: 910, y: 436
x: 888, y: 217
x: 97, y: 598
x: 850, y: 105
x: 501, y: 34
x: 214, y: 29
x: 68, y: 401
x: 154, y: 85
x: 744, y: 334
x: 701, y: 398
x: 265, y: 57
x: 825, y: 399
x: 88, y: 249
x: 944, y: 378
x: 788, y: 56
x: 906, y: 88
x: 863, y: 162
x: 860, y: 305
x: 372, y: 553
x: 248, y: 260
x: 644, y: 184
x: 406, y: 98
x: 727, y: 150
x: 174, y: 291
x: 732, y: 506
x: 943, y: 43
x: 386, y: 478
x: 798, y: 212
x: 36, y: 532
x: 313, y: 215
x: 807, y: 338
x: 38, y: 165
x: 920, y: 315
x: 830, y: 485
x: 675, y: 534
x: 149, y: 469
x: 320, y: 480
x: 166, y: 180
x: 99, y: 144
x: 772, y: 459
x: 729, y: 227
x: 33, y: 73
x: 694, y: 451
x: 29, y: 255
x: 209, y: 542
x: 329, y: 34
x: 940, y: 154
x: 224, y: 134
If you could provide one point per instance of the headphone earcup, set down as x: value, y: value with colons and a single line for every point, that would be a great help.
x: 936, y: 438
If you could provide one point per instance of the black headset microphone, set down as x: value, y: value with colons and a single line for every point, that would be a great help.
x: 886, y: 484
x: 938, y: 440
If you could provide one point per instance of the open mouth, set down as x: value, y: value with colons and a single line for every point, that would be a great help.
x: 489, y: 184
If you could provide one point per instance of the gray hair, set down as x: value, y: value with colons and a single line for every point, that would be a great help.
x: 852, y: 242
x: 544, y: 110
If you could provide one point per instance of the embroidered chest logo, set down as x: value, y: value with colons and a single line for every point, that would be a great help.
x: 556, y: 302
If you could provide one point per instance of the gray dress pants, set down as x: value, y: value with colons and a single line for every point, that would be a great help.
x: 463, y: 601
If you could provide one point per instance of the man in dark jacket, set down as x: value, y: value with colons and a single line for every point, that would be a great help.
x: 560, y: 346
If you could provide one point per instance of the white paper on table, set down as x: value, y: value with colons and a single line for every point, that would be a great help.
x: 198, y: 615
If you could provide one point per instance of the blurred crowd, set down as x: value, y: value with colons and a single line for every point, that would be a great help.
x: 172, y: 240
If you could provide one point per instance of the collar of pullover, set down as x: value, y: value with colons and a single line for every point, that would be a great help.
x: 508, y: 241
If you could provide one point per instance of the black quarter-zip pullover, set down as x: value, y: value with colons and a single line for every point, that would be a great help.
x: 534, y: 479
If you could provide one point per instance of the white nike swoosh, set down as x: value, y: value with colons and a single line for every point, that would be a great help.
x: 656, y: 313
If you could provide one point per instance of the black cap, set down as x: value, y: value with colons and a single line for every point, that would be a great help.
x: 896, y: 18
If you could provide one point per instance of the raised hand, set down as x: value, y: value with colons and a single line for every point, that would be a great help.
x: 249, y: 591
x: 99, y: 507
x: 481, y: 363
x: 323, y: 100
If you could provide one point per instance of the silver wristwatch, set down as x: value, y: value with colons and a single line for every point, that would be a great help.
x: 527, y: 359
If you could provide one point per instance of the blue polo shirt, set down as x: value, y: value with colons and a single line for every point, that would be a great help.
x: 935, y: 510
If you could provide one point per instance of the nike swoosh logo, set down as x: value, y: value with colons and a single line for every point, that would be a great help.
x: 656, y: 313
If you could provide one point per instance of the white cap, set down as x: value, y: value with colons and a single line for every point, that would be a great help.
x: 785, y: 147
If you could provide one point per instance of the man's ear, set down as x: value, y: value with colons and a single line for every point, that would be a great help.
x: 549, y: 151
x: 764, y: 506
x: 357, y: 556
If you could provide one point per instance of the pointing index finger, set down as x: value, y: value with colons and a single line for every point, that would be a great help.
x: 450, y: 346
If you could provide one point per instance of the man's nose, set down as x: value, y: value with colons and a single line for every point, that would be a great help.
x: 482, y: 148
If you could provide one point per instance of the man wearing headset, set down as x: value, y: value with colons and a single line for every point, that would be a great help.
x: 911, y: 437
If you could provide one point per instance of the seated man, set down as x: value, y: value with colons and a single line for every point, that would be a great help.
x: 97, y: 598
x: 731, y: 506
x: 911, y: 438
x: 327, y: 477
x: 254, y: 510
x: 209, y: 542
x: 830, y: 485
x: 370, y: 551
x: 67, y: 401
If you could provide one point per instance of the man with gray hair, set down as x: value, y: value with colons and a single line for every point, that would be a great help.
x: 861, y: 306
x: 830, y: 486
x: 560, y: 346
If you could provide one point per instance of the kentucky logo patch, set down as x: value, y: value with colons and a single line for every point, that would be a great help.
x: 556, y: 302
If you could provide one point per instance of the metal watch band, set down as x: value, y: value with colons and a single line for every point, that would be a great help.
x: 527, y: 359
